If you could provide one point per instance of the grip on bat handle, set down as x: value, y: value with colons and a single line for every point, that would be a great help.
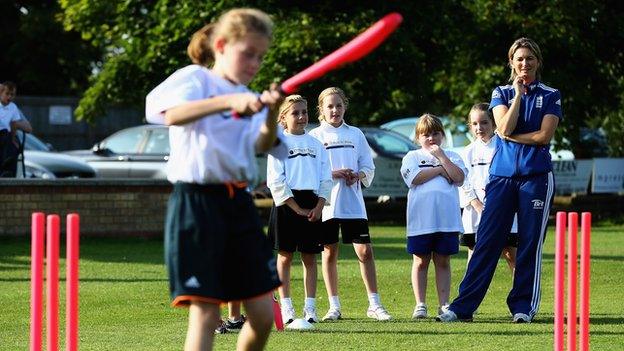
x: 236, y: 115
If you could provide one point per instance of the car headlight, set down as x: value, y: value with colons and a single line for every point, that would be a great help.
x: 38, y: 172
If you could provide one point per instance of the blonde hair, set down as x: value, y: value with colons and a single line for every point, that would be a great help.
x: 232, y: 25
x: 289, y: 101
x: 428, y: 124
x: 327, y: 92
x: 529, y: 44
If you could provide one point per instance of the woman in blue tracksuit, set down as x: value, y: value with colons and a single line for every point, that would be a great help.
x: 527, y: 113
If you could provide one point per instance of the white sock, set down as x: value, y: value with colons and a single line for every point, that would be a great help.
x: 373, y: 300
x: 310, y: 303
x: 286, y: 302
x: 334, y: 302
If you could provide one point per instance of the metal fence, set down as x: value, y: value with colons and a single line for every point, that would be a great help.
x: 53, y: 121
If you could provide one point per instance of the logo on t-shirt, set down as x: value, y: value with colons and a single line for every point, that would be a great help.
x: 338, y: 144
x: 301, y: 151
x: 539, y: 101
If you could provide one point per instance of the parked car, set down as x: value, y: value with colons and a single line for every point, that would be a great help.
x: 135, y: 152
x: 457, y: 136
x: 41, y: 161
x: 142, y: 152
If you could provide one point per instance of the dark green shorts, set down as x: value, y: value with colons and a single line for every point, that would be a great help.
x: 215, y: 248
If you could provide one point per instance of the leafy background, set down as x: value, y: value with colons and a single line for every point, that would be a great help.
x: 446, y: 56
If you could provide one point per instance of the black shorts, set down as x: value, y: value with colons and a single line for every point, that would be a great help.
x: 215, y: 248
x: 290, y: 232
x: 468, y: 239
x: 353, y: 231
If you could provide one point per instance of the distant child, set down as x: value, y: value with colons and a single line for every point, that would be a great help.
x: 352, y: 167
x: 234, y: 321
x: 11, y: 120
x: 477, y: 157
x: 300, y: 185
x: 433, y: 213
x: 211, y: 218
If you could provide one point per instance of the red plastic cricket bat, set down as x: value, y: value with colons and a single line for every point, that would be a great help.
x: 277, y: 314
x: 354, y: 50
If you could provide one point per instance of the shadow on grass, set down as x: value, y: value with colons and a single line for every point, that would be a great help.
x: 95, y: 280
x: 15, y: 251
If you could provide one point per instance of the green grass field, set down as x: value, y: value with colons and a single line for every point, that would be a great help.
x: 124, y: 303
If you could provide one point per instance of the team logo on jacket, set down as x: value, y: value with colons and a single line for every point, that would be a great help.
x: 539, y: 101
x: 538, y: 204
x: 496, y: 94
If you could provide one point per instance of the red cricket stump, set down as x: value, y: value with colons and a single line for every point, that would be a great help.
x: 572, y: 256
x: 585, y: 275
x: 36, y: 280
x: 71, y: 312
x: 572, y: 272
x: 50, y: 232
x: 277, y: 314
x: 559, y: 278
x: 52, y: 280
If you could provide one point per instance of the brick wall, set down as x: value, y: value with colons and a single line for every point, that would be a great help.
x: 106, y: 207
x: 137, y: 207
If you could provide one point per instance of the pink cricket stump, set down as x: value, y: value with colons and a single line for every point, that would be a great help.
x: 52, y: 278
x: 36, y: 280
x: 572, y: 280
x: 277, y: 314
x: 585, y: 285
x: 559, y: 279
x: 73, y: 248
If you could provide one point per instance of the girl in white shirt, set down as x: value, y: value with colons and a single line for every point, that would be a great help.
x: 352, y: 167
x: 477, y: 157
x: 300, y: 185
x: 433, y: 214
x: 217, y: 127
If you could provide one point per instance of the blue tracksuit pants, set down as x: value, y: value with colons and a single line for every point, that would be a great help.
x: 530, y: 197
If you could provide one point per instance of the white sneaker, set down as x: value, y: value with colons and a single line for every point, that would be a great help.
x: 443, y: 308
x: 521, y: 318
x: 309, y: 314
x: 420, y: 311
x: 332, y: 315
x: 450, y: 316
x: 288, y: 315
x: 379, y: 313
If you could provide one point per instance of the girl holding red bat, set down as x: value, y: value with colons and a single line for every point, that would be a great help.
x: 211, y: 217
x: 352, y: 167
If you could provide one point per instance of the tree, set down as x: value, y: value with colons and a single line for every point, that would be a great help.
x: 38, y: 54
x: 446, y: 56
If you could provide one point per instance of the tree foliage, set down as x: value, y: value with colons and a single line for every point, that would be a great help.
x: 38, y: 54
x: 446, y: 56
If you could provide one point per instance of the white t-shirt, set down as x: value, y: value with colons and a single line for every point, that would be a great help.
x: 305, y: 168
x: 213, y: 149
x: 8, y: 114
x: 347, y: 148
x: 434, y: 205
x: 477, y: 157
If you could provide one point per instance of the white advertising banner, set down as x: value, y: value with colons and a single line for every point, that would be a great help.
x: 572, y: 177
x: 608, y: 175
